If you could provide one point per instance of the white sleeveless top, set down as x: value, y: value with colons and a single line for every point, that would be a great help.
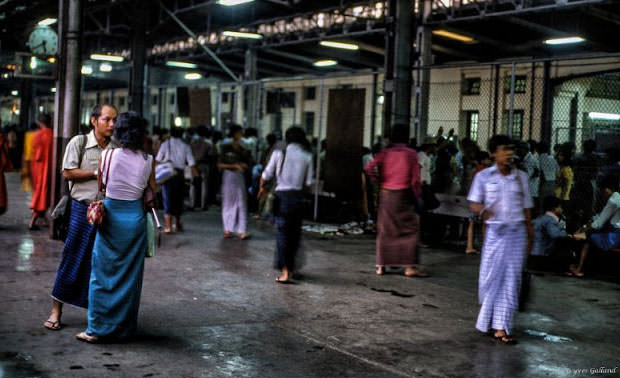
x: 129, y: 173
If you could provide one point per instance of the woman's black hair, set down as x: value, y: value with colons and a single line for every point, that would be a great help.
x: 499, y: 140
x: 296, y: 134
x: 129, y: 131
x: 400, y: 133
x: 233, y: 129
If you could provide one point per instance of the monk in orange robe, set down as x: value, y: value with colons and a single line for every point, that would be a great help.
x: 40, y: 166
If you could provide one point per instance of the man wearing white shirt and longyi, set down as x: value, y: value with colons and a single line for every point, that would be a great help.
x: 292, y: 170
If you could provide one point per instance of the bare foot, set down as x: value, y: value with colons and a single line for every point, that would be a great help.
x: 83, y: 336
x: 245, y: 236
x: 380, y: 271
x: 414, y: 272
x: 227, y: 235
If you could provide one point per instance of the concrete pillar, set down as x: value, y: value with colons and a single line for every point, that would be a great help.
x: 67, y: 115
x: 251, y: 90
x: 138, y: 57
x: 401, y: 106
x: 423, y: 75
x: 388, y: 76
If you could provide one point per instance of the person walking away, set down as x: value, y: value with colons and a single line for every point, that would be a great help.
x: 500, y: 194
x: 175, y: 150
x: 234, y: 161
x: 549, y: 168
x: 564, y: 182
x: 585, y: 169
x: 292, y: 169
x: 397, y: 170
x: 531, y: 165
x: 5, y: 166
x: 40, y: 166
x: 121, y: 242
x: 203, y: 151
x: 27, y: 157
x: 80, y: 166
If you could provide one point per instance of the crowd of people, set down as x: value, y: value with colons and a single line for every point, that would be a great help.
x: 523, y: 199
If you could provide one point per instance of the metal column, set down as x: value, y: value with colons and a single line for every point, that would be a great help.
x: 251, y: 90
x: 67, y: 88
x: 547, y: 109
x: 138, y: 57
x: 423, y: 74
x: 403, y: 42
x: 318, y: 152
x: 388, y: 75
x: 511, y: 110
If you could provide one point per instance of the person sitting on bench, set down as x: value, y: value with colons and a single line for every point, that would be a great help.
x: 604, y: 231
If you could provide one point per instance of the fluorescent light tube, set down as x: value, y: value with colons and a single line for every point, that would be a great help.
x: 604, y: 116
x: 192, y: 76
x: 455, y: 36
x: 339, y: 45
x: 47, y: 22
x: 107, y: 58
x: 173, y: 63
x: 325, y: 63
x: 230, y: 33
x: 230, y: 3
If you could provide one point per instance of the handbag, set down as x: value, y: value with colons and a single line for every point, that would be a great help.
x: 62, y: 212
x: 165, y: 171
x: 96, y: 209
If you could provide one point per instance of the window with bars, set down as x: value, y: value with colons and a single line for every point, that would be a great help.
x: 309, y: 123
x: 471, y: 86
x: 520, y: 83
x: 472, y: 119
x: 517, y: 123
x: 309, y: 93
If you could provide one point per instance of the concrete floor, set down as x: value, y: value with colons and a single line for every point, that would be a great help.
x: 210, y: 308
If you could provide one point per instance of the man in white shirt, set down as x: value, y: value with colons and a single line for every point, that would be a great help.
x: 605, y: 227
x: 549, y: 169
x: 180, y: 155
x: 425, y: 161
x: 500, y: 194
x: 292, y: 170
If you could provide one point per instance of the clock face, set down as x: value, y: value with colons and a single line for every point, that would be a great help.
x: 43, y: 41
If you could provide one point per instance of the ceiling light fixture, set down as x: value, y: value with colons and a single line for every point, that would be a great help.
x: 340, y: 45
x: 230, y: 3
x: 604, y: 116
x: 325, y: 63
x: 173, y: 63
x: 14, y: 93
x: 564, y: 41
x: 105, y: 67
x: 193, y: 76
x: 53, y: 90
x: 456, y: 36
x: 107, y: 58
x: 47, y: 22
x: 236, y: 34
x: 87, y: 70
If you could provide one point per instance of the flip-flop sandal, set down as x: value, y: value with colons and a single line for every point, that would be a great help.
x: 53, y: 325
x: 83, y: 336
x: 227, y: 235
x: 284, y: 282
x: 507, y: 340
x: 417, y: 274
x: 471, y: 252
x: 245, y: 236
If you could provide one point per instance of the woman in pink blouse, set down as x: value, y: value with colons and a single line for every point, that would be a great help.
x: 397, y: 171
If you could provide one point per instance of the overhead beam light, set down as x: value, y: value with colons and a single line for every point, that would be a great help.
x: 173, y: 63
x: 325, y: 63
x: 47, y: 22
x: 564, y: 41
x: 456, y: 36
x: 236, y: 34
x: 107, y: 58
x: 53, y: 90
x: 604, y: 116
x: 340, y: 45
x: 14, y: 93
x: 231, y: 3
x: 193, y: 76
x: 105, y: 67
